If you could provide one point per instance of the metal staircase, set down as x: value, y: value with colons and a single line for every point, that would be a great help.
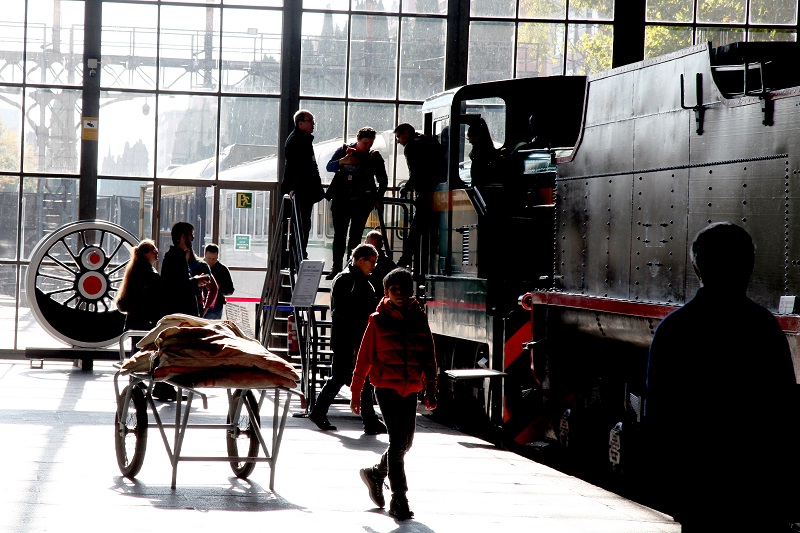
x: 312, y: 355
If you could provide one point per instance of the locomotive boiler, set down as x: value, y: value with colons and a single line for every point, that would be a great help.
x: 618, y: 173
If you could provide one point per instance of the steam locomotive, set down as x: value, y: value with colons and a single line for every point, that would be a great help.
x: 603, y: 183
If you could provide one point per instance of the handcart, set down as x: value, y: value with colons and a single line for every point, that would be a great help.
x: 243, y: 430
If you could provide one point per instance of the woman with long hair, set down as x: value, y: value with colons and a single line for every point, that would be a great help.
x: 139, y: 296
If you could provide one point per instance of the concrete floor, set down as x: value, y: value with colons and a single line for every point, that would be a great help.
x: 58, y: 473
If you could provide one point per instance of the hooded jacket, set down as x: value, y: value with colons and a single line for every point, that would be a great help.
x: 397, y: 350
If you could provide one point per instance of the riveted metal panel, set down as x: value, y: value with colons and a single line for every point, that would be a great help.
x: 750, y: 194
x: 570, y: 246
x: 606, y: 148
x: 662, y: 141
x: 611, y: 99
x: 608, y: 240
x: 658, y: 236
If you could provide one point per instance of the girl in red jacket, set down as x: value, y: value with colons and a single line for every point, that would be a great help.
x: 398, y: 355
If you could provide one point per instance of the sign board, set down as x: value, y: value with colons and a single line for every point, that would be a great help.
x: 305, y: 288
x: 89, y: 129
x: 244, y: 200
x: 241, y: 243
x: 239, y: 315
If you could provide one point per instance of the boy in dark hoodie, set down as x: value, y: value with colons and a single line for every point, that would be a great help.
x: 397, y: 353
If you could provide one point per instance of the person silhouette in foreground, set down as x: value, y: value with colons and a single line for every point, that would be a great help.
x: 720, y: 414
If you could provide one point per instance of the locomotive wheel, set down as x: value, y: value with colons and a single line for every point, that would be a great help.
x: 130, y: 439
x: 73, y: 278
x: 241, y: 435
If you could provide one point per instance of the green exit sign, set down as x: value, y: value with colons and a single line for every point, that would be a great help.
x: 241, y: 242
x: 244, y: 200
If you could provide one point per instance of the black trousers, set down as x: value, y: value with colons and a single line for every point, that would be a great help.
x: 400, y: 417
x: 352, y: 214
x: 304, y: 209
x: 341, y: 376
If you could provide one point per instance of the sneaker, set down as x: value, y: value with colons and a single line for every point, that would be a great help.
x: 375, y: 487
x: 321, y: 421
x: 398, y: 508
x: 375, y: 428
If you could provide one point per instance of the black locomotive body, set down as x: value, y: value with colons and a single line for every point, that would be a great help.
x: 662, y: 148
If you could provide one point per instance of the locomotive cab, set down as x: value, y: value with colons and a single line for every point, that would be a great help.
x: 493, y: 237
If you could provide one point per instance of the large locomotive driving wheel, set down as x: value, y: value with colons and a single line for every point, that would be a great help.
x: 72, y: 280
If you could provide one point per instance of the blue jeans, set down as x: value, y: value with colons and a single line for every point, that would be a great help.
x: 215, y: 313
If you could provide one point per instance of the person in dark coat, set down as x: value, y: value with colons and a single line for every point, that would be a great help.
x: 354, y: 192
x: 720, y: 412
x: 385, y: 264
x: 484, y: 157
x: 352, y: 301
x: 180, y: 288
x: 426, y: 169
x: 301, y: 174
x: 223, y: 277
x: 140, y: 293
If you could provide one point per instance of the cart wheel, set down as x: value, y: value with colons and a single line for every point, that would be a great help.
x: 130, y: 441
x: 242, y: 436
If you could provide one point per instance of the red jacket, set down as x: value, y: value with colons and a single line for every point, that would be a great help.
x: 396, y: 351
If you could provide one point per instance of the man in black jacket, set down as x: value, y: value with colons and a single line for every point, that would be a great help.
x: 301, y: 175
x: 353, y: 299
x: 426, y: 169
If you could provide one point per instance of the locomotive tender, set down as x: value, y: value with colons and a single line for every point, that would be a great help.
x: 639, y: 159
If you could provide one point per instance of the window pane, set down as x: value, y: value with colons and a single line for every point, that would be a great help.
x: 670, y: 11
x: 47, y: 204
x: 422, y: 57
x: 261, y: 3
x: 373, y: 57
x: 540, y: 49
x: 592, y: 9
x: 187, y: 136
x: 189, y: 48
x: 589, y: 48
x: 126, y: 144
x: 379, y: 117
x: 129, y: 44
x: 251, y: 51
x: 244, y: 221
x: 12, y: 38
x: 330, y: 124
x: 385, y: 6
x: 492, y: 8
x: 249, y: 139
x: 335, y: 5
x: 54, y: 121
x: 128, y: 204
x: 323, y: 54
x: 55, y: 42
x: 9, y: 201
x: 731, y: 12
x: 491, y: 47
x: 719, y: 36
x: 660, y: 40
x: 773, y: 12
x: 425, y: 6
x: 185, y: 204
x: 8, y: 296
x: 546, y: 9
x: 11, y: 130
x: 772, y: 35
